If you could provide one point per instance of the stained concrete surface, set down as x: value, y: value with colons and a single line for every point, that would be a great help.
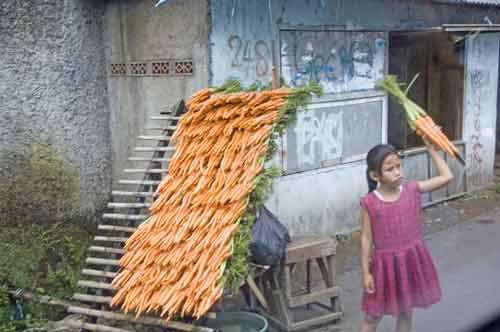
x: 462, y: 236
x: 466, y: 257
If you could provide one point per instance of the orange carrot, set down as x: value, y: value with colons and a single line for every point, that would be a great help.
x: 427, y: 131
x: 453, y: 150
x: 172, y: 263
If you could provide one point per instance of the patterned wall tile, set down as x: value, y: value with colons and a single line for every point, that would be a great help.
x: 118, y: 69
x: 160, y: 67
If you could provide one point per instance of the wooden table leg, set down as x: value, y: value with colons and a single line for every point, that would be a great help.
x: 330, y: 261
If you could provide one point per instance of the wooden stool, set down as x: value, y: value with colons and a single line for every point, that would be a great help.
x: 276, y: 285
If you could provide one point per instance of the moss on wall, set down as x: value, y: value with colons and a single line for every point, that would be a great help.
x: 44, y: 232
x: 38, y: 186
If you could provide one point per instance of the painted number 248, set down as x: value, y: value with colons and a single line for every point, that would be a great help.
x: 247, y: 53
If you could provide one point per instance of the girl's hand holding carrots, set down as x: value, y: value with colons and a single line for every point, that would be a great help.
x: 428, y: 144
x: 444, y: 173
x: 418, y: 119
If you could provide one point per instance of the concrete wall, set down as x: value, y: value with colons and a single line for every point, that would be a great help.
x: 53, y: 87
x: 326, y: 200
x: 137, y: 31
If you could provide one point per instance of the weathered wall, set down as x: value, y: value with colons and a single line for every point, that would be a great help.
x: 242, y: 33
x: 322, y: 201
x: 137, y: 31
x: 480, y: 105
x: 53, y: 87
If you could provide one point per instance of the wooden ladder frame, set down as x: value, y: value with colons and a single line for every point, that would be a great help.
x: 96, y: 304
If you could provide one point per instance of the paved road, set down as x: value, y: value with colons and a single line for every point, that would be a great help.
x: 467, y: 257
x: 468, y: 260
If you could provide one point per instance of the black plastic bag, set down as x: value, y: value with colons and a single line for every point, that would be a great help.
x: 269, y: 239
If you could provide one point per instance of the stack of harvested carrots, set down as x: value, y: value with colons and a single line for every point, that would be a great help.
x: 173, y: 263
x: 417, y: 118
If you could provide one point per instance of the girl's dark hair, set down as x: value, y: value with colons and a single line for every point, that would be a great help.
x: 374, y: 160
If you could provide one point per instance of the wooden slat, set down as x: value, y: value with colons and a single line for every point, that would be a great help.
x: 165, y: 117
x: 154, y: 148
x: 300, y: 326
x: 125, y: 216
x: 145, y: 320
x: 297, y: 301
x: 132, y: 193
x: 309, y: 248
x: 116, y: 228
x: 120, y: 205
x: 95, y: 284
x: 258, y: 294
x: 92, y: 298
x: 44, y: 299
x: 145, y: 170
x: 106, y: 249
x: 110, y: 239
x: 140, y: 182
x: 162, y: 128
x: 154, y: 137
x: 470, y: 27
x: 93, y: 327
x: 166, y: 110
x: 305, y: 324
x: 98, y: 273
x: 102, y: 261
x: 149, y: 159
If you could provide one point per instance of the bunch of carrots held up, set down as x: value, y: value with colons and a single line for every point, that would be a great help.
x: 417, y: 118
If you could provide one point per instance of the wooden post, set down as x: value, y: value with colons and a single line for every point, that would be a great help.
x: 93, y: 327
x: 144, y: 320
x: 255, y: 289
x: 40, y: 299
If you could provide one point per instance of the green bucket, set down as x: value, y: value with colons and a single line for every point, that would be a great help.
x: 240, y: 321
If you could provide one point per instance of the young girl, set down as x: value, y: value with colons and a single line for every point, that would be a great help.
x: 398, y: 272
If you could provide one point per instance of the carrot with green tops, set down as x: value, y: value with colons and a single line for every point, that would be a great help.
x: 417, y: 118
x: 173, y: 263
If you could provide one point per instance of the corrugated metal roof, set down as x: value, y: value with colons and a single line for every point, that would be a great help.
x: 495, y: 3
x: 471, y: 27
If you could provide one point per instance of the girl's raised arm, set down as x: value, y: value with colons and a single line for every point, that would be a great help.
x: 444, y: 173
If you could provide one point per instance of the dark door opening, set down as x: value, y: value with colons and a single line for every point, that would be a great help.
x: 439, y: 59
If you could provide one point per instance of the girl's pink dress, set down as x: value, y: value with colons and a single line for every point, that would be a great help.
x: 402, y: 268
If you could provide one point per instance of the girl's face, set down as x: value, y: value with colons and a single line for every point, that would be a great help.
x: 391, y: 172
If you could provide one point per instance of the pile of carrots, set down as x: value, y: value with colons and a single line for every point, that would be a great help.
x: 173, y: 263
x: 418, y: 119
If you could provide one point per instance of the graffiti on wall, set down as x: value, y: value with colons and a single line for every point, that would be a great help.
x: 318, y: 137
x: 478, y: 79
x: 340, y: 60
x: 249, y: 57
x: 327, y: 134
x: 481, y: 102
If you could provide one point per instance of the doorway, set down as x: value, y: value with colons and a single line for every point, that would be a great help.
x: 439, y: 60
